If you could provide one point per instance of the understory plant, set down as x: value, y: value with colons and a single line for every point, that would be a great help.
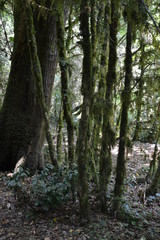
x: 45, y: 190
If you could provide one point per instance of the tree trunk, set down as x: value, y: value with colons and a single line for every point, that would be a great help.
x: 107, y: 129
x: 83, y: 135
x: 59, y: 136
x: 37, y: 76
x: 64, y: 81
x: 22, y: 128
x: 100, y: 40
x: 140, y: 95
x: 120, y: 172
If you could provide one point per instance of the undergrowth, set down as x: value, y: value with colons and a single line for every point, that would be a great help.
x: 46, y: 190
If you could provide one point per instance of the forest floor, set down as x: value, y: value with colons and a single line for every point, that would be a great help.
x: 141, y: 221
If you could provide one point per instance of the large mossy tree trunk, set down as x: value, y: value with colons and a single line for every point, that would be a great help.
x: 22, y: 126
x: 121, y: 162
x: 83, y: 135
x: 107, y: 128
x: 38, y: 78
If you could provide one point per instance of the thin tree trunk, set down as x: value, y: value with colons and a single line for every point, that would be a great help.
x: 83, y: 135
x: 140, y: 95
x: 121, y: 168
x: 59, y: 136
x: 64, y: 82
x: 108, y: 135
x: 99, y: 35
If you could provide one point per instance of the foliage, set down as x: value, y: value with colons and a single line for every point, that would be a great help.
x: 45, y: 190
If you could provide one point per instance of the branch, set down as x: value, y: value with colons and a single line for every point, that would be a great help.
x: 155, y: 24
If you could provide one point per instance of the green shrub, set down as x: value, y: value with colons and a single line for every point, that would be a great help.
x: 46, y: 190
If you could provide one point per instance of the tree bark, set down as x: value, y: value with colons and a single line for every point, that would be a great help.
x: 22, y: 127
x: 37, y: 76
x: 99, y: 37
x: 121, y: 170
x: 140, y: 95
x: 108, y: 134
x: 64, y: 82
x: 83, y: 135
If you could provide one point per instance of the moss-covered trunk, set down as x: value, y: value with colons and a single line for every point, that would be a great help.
x: 140, y: 95
x: 107, y: 129
x: 100, y: 39
x: 38, y: 78
x: 83, y: 135
x: 64, y: 81
x: 22, y: 128
x: 121, y: 170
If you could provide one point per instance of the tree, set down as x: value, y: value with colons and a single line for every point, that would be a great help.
x: 108, y: 135
x: 120, y: 172
x: 64, y: 81
x: 22, y: 125
x: 140, y: 94
x: 83, y: 135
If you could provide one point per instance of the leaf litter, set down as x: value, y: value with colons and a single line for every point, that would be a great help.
x: 18, y: 222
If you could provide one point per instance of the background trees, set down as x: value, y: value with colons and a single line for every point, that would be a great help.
x: 108, y: 54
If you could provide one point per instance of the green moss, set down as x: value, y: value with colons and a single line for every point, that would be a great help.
x: 108, y: 135
x: 121, y: 161
x: 64, y: 81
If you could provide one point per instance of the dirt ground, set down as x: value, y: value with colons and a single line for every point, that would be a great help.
x: 19, y: 222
